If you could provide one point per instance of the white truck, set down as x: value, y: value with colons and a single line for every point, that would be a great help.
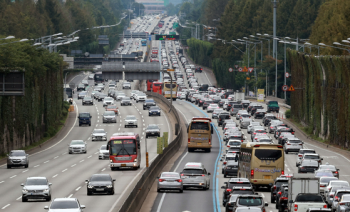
x: 304, y: 193
x: 239, y: 96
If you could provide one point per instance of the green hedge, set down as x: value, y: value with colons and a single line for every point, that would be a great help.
x: 26, y: 119
x: 321, y: 99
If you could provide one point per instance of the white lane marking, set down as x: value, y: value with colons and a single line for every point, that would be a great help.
x: 64, y: 170
x: 262, y: 195
x: 118, y: 129
x: 55, y: 176
x: 78, y: 188
x: 36, y: 166
x: 70, y: 196
x: 2, y: 182
x: 13, y: 176
x: 81, y: 161
x: 55, y: 157
x: 288, y: 169
x: 73, y: 165
x: 19, y: 198
x: 96, y: 125
x: 103, y: 169
x: 64, y: 153
x: 96, y: 153
x: 180, y: 161
x: 47, y: 161
x: 161, y: 202
x: 89, y: 156
x: 5, y: 206
x: 88, y: 138
x: 26, y: 170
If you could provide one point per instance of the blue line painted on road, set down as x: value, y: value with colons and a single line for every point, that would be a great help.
x: 160, y: 63
x: 216, y: 203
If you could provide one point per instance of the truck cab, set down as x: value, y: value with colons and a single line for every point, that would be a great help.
x: 273, y: 106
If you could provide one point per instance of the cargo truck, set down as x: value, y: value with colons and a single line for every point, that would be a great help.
x: 303, y: 184
x: 239, y: 96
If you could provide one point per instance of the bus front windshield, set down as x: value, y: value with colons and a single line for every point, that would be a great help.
x: 169, y: 85
x: 123, y: 147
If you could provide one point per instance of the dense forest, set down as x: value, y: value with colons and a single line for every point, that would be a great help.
x: 234, y: 19
x: 26, y: 19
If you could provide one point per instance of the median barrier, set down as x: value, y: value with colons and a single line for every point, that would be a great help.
x: 139, y: 193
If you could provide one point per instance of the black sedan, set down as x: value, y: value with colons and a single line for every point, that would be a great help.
x: 100, y: 183
x: 152, y: 130
x: 148, y: 103
x: 154, y: 111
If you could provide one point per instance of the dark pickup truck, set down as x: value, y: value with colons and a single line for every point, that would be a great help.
x: 273, y: 106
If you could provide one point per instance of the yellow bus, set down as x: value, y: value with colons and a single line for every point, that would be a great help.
x: 167, y: 90
x: 199, y: 133
x: 261, y: 163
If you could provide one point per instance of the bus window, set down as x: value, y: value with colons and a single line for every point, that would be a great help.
x: 268, y: 154
x: 199, y: 126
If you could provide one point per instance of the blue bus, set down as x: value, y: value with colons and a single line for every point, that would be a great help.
x: 144, y: 42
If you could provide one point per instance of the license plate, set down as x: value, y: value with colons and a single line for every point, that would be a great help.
x: 123, y: 165
x: 171, y: 181
x: 99, y: 189
x: 199, y: 144
x: 267, y: 177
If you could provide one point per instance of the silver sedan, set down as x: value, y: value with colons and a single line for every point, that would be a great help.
x: 170, y: 181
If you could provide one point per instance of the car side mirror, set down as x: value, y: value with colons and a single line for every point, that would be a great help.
x: 266, y: 204
x: 90, y: 116
x: 50, y: 184
x: 22, y: 184
x: 46, y: 207
x: 223, y: 187
x: 86, y: 181
x: 221, y: 159
x: 321, y: 158
x: 208, y: 173
x: 113, y: 180
x: 256, y: 193
x: 82, y: 206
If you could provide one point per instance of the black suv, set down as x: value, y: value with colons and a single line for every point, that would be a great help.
x: 254, y: 108
x: 279, y: 181
x: 222, y: 117
x: 148, y: 103
x: 81, y: 87
x: 231, y: 168
x: 267, y: 119
x: 198, y: 69
x: 233, y: 182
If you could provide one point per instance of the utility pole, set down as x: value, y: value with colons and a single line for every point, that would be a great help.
x: 274, y: 28
x: 276, y: 72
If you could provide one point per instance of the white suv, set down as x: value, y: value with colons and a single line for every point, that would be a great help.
x: 130, y: 120
x: 140, y: 97
x: 108, y: 101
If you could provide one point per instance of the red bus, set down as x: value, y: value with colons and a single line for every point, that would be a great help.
x: 149, y: 84
x: 124, y: 150
x: 157, y: 87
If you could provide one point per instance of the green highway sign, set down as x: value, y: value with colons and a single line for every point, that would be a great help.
x: 167, y: 37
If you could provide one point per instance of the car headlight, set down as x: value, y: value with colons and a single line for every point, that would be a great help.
x: 70, y: 147
x: 135, y: 160
x: 90, y: 186
x: 109, y: 186
x: 24, y: 190
x: 46, y: 190
x: 111, y: 161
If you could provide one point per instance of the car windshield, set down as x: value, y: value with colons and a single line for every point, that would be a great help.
x: 84, y: 115
x: 77, y: 142
x: 328, y: 167
x: 339, y: 183
x: 234, y: 143
x: 309, y: 163
x: 100, y: 177
x: 126, y: 98
x: 66, y: 204
x: 326, y: 180
x: 109, y: 113
x: 324, y: 174
x: 149, y: 100
x: 130, y: 118
x: 18, y: 154
x: 311, y: 157
x: 175, y: 175
x: 154, y: 108
x: 99, y: 131
x: 242, y: 191
x: 103, y: 147
x: 309, y: 198
x: 36, y: 182
x: 193, y: 171
x: 82, y: 93
x: 111, y: 107
x: 152, y: 127
x: 250, y: 201
x: 108, y: 99
x: 87, y: 98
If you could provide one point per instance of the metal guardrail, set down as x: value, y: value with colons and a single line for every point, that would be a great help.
x: 139, y: 193
x: 281, y: 104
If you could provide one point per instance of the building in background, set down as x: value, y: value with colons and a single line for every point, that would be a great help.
x: 153, y: 6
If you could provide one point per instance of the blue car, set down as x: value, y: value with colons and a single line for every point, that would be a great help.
x: 84, y: 119
x: 154, y: 111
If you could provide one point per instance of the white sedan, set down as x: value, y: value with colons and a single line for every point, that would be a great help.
x: 212, y: 107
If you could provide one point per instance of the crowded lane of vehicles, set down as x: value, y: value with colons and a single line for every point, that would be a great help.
x: 258, y: 150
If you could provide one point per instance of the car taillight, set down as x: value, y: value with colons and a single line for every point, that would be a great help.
x: 274, y: 187
x: 242, y: 140
x: 342, y: 203
x: 322, y: 185
x: 335, y: 172
x: 189, y: 141
x: 161, y: 180
x: 325, y: 206
x: 224, y: 162
x: 284, y: 198
x: 228, y: 146
x: 279, y: 193
x: 282, y: 172
x: 228, y: 190
x: 300, y: 156
x: 292, y: 133
x: 295, y: 207
x: 179, y: 180
x: 254, y: 133
x: 288, y: 144
x: 252, y: 173
x: 331, y: 195
x: 271, y: 127
x: 336, y: 197
x: 209, y: 141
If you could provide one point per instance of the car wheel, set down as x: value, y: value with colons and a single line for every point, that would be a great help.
x: 136, y: 126
x: 90, y: 124
x: 181, y: 190
x: 89, y: 193
x: 24, y: 199
x: 273, y: 200
x: 286, y: 152
x: 26, y: 166
x: 124, y: 126
x: 225, y: 175
x: 112, y: 192
x: 8, y: 166
x: 49, y: 198
x: 79, y: 125
x: 158, y: 190
x: 69, y: 153
x: 276, y: 206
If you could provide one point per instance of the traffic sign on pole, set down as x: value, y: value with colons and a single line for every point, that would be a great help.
x: 240, y: 69
x: 285, y: 87
x: 287, y: 74
x: 250, y: 69
x: 245, y: 69
x: 236, y: 66
x: 230, y: 69
x: 248, y: 78
x: 291, y: 88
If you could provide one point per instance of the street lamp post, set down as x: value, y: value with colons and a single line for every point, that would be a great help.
x: 276, y: 70
x: 263, y: 39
